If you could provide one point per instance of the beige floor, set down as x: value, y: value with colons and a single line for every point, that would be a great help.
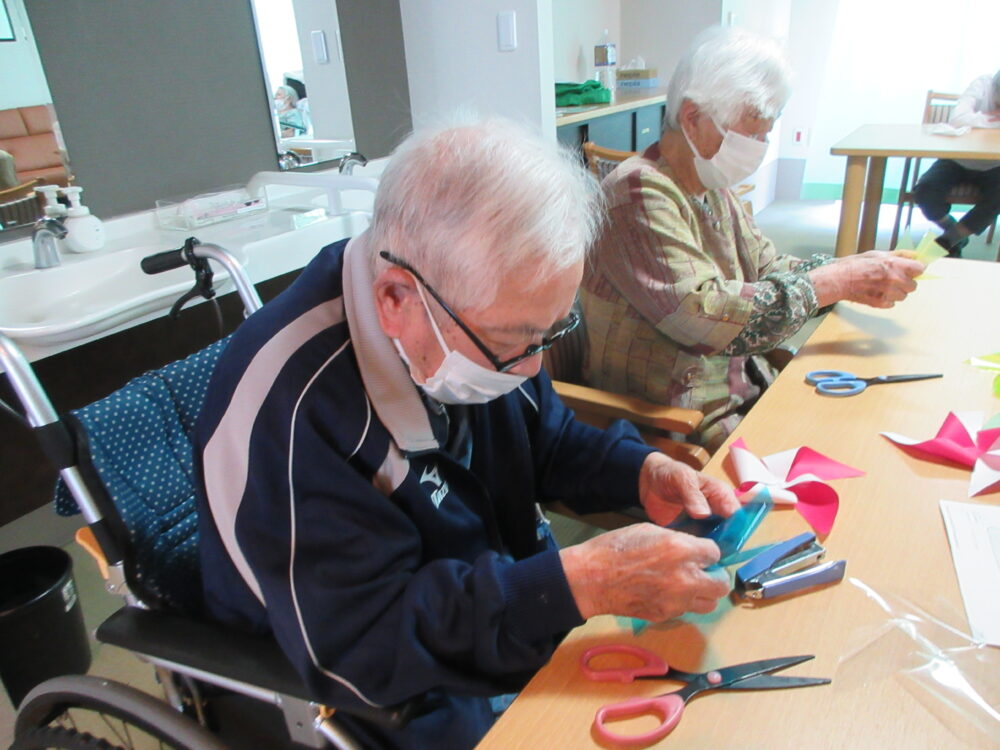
x: 796, y: 227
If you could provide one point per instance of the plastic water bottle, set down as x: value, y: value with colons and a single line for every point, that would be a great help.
x: 606, y: 62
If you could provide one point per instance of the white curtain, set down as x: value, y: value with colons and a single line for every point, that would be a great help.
x: 884, y: 56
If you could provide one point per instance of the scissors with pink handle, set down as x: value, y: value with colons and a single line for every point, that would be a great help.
x: 669, y: 707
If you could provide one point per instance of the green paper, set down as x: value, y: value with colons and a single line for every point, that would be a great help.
x: 996, y: 391
x: 632, y: 623
x: 994, y: 421
x: 905, y: 241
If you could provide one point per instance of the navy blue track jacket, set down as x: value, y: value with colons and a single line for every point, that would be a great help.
x: 331, y: 516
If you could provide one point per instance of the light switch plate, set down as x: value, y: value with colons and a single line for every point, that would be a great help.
x: 321, y: 53
x: 506, y: 31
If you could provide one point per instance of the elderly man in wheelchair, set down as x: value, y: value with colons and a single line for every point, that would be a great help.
x: 368, y: 459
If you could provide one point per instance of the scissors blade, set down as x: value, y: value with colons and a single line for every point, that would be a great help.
x: 740, y: 672
x: 903, y: 378
x: 776, y: 682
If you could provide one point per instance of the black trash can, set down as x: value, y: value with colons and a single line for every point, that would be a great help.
x: 42, y: 634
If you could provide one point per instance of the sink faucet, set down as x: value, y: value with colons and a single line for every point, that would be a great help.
x: 44, y: 237
x: 350, y: 161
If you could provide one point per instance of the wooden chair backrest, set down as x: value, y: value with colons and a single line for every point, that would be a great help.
x: 938, y: 106
x: 602, y: 160
x: 19, y: 191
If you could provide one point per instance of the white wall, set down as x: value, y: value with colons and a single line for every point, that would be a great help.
x: 24, y: 82
x: 579, y: 25
x: 771, y: 18
x: 660, y: 30
x: 331, y: 111
x: 452, y: 60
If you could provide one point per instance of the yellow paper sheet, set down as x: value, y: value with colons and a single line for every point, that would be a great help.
x: 929, y: 251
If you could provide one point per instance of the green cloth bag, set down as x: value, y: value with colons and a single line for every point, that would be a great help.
x: 576, y: 94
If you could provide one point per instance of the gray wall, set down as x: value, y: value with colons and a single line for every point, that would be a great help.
x: 155, y: 98
x: 375, y: 63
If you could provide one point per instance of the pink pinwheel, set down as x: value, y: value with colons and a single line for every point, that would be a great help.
x: 955, y: 442
x: 794, y: 477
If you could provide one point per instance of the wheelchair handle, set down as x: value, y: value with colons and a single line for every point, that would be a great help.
x: 165, y: 261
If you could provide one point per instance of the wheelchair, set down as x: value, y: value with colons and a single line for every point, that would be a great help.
x: 125, y: 463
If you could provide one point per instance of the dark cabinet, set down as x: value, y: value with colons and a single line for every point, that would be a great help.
x: 627, y: 130
x: 648, y: 121
x: 613, y: 131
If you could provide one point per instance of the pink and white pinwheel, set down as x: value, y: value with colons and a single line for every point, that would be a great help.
x: 962, y: 440
x: 794, y: 477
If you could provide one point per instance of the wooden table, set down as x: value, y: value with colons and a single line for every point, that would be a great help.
x: 867, y: 149
x: 889, y: 529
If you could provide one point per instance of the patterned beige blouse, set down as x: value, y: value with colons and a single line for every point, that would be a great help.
x: 682, y: 291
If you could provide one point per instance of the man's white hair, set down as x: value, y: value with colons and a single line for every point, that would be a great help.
x: 728, y: 72
x: 468, y: 203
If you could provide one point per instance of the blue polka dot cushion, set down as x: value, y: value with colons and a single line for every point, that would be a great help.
x: 140, y: 443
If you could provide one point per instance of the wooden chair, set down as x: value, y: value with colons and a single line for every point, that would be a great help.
x: 19, y: 206
x: 659, y: 425
x: 937, y: 108
x: 19, y: 191
x: 602, y: 160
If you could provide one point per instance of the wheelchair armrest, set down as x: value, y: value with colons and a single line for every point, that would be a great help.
x: 636, y: 410
x: 214, y: 649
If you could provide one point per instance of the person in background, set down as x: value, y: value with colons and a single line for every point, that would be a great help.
x: 978, y: 107
x: 683, y: 292
x: 8, y: 172
x: 290, y: 120
x: 375, y: 440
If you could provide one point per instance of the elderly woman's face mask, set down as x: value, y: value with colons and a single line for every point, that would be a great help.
x: 738, y: 157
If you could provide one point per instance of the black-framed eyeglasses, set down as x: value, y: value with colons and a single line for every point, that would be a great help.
x: 502, y: 365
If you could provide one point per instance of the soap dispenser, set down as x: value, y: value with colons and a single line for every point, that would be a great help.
x: 85, y: 232
x: 52, y: 208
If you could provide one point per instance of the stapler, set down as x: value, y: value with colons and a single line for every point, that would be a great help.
x: 787, y: 567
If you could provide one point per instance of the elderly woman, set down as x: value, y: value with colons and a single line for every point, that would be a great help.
x: 683, y: 291
x: 290, y: 120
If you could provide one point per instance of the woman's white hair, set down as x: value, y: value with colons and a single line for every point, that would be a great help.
x: 727, y: 72
x: 291, y: 94
x: 468, y: 203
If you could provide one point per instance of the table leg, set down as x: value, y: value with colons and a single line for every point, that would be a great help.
x: 873, y: 201
x: 850, y: 206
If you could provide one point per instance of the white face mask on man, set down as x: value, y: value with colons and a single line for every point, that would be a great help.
x: 459, y: 380
x: 738, y: 157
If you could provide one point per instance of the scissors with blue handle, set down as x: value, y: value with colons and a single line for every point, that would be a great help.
x: 669, y: 707
x: 840, y: 383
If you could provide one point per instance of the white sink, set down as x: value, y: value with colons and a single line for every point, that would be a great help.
x: 80, y: 300
x: 96, y: 294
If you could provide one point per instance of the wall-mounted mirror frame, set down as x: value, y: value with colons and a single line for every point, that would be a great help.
x: 302, y: 61
x: 32, y: 153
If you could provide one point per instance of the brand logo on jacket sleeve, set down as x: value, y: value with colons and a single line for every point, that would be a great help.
x: 431, y: 476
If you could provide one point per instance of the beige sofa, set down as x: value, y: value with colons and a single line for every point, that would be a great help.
x: 26, y: 134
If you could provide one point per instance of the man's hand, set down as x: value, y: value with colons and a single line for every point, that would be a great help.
x: 877, y: 278
x: 666, y: 487
x: 643, y: 571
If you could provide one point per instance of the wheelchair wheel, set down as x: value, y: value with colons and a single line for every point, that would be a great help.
x: 77, y: 712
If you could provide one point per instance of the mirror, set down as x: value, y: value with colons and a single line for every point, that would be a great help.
x: 31, y: 149
x: 167, y: 99
x: 303, y: 65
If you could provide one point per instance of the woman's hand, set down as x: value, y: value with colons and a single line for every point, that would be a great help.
x: 877, y: 278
